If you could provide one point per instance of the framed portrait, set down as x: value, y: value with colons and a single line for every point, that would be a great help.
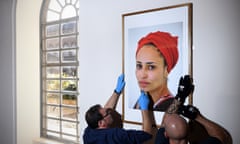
x: 176, y: 20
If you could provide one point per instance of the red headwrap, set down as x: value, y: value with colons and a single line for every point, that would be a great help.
x: 167, y: 45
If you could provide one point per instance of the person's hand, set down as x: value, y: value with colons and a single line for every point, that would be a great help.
x: 188, y: 111
x: 120, y: 84
x: 185, y: 87
x: 144, y: 101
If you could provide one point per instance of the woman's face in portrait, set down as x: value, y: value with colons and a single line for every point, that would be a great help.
x: 150, y: 71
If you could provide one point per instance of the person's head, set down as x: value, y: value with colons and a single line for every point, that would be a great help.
x: 176, y: 127
x: 156, y: 56
x: 99, y: 117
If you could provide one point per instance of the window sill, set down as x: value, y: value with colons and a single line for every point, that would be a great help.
x: 45, y: 141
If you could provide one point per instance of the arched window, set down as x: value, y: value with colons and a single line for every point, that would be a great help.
x: 59, y: 70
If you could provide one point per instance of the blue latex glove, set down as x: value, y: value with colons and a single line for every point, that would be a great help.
x: 143, y: 101
x: 120, y: 84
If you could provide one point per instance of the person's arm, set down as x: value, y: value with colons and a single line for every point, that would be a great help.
x: 113, y: 100
x: 149, y: 123
x: 212, y: 128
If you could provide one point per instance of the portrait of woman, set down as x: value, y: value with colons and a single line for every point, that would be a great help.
x: 157, y: 51
x: 156, y: 55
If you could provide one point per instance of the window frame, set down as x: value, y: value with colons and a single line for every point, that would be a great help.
x: 71, y: 63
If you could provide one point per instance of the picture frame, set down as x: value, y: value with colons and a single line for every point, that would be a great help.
x: 177, y: 20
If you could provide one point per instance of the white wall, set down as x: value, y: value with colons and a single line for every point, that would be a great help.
x: 28, y: 72
x: 7, y: 72
x: 215, y: 58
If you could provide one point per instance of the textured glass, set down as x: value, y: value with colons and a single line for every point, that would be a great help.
x: 54, y: 5
x: 69, y: 113
x: 53, y: 72
x: 69, y: 72
x: 69, y: 127
x: 52, y: 43
x: 53, y: 125
x: 68, y: 12
x: 53, y: 85
x: 70, y: 138
x: 69, y: 85
x: 53, y: 57
x: 62, y: 2
x: 69, y: 99
x: 53, y: 98
x: 52, y: 16
x: 69, y: 42
x: 69, y: 56
x: 68, y: 28
x: 53, y: 134
x: 53, y: 111
x: 52, y: 30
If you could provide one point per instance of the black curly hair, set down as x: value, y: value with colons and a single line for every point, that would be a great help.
x: 93, y: 115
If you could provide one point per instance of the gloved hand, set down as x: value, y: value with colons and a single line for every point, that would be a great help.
x: 185, y: 87
x: 120, y: 84
x: 144, y: 101
x: 188, y: 111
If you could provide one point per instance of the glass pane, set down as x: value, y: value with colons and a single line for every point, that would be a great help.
x: 69, y: 85
x: 68, y: 28
x: 52, y: 30
x: 53, y: 98
x: 69, y: 42
x: 69, y: 72
x: 68, y: 12
x: 69, y: 99
x: 53, y: 57
x: 62, y: 2
x: 53, y: 72
x: 52, y: 43
x: 70, y: 137
x: 53, y: 85
x: 53, y: 111
x: 54, y: 5
x: 73, y: 2
x: 68, y: 1
x: 53, y: 125
x: 69, y: 113
x: 52, y: 16
x: 69, y: 128
x: 53, y: 134
x: 69, y: 56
